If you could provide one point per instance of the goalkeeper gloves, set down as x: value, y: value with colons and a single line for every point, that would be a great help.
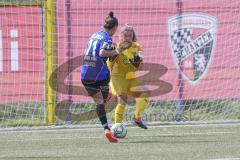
x: 136, y: 61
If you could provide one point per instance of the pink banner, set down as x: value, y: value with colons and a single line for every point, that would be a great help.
x: 217, y: 76
x: 199, y: 41
x: 21, y: 51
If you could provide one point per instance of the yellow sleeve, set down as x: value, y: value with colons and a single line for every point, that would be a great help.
x: 109, y: 64
x: 125, y: 64
x: 111, y: 61
x: 137, y: 46
x: 121, y: 65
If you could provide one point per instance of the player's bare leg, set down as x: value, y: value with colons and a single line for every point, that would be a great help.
x: 102, y: 117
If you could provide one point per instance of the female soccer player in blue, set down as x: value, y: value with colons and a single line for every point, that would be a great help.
x: 95, y: 74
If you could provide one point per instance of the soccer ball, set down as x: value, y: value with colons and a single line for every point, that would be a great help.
x: 119, y: 130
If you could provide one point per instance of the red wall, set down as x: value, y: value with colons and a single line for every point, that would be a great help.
x: 26, y: 84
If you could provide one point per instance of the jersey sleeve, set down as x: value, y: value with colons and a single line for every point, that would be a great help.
x: 125, y: 64
x: 139, y: 48
x: 107, y: 44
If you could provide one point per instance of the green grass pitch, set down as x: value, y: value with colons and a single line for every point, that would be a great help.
x: 166, y: 142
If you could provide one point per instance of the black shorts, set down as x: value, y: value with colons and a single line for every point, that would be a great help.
x: 93, y: 87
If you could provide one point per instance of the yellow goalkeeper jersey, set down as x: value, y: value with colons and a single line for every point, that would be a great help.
x: 121, y: 66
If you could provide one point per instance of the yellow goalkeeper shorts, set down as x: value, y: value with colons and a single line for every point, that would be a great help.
x: 120, y: 85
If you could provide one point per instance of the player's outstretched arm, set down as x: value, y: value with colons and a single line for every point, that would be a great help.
x: 108, y: 53
x: 115, y: 50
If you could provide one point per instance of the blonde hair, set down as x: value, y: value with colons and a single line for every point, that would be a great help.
x: 128, y: 28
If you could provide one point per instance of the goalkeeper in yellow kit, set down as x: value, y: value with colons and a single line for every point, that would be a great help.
x: 123, y: 80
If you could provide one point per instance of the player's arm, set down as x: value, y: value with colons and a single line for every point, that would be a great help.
x: 125, y: 64
x: 136, y: 61
x: 111, y: 49
x: 107, y: 48
x: 108, y: 53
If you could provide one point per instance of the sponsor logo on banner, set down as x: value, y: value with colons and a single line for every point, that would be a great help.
x: 192, y: 38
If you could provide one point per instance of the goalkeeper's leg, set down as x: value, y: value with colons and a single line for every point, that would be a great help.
x: 141, y: 104
x: 120, y: 109
x: 119, y: 88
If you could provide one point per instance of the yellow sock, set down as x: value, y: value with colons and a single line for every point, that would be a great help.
x: 119, y: 113
x: 141, y: 104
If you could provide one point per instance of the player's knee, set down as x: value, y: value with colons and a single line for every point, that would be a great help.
x: 122, y: 100
x: 145, y: 96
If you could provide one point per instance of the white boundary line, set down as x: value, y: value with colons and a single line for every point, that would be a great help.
x: 70, y: 128
x: 97, y: 126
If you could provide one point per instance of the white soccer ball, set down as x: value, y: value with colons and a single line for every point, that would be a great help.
x: 119, y: 130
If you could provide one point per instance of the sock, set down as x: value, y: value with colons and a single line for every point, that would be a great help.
x: 119, y: 113
x: 141, y: 104
x: 102, y: 115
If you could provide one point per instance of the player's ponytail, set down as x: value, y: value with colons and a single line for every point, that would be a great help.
x: 110, y: 21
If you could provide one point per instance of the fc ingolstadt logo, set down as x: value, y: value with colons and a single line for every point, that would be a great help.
x: 192, y: 39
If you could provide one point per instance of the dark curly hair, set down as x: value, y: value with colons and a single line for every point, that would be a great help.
x: 110, y: 21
